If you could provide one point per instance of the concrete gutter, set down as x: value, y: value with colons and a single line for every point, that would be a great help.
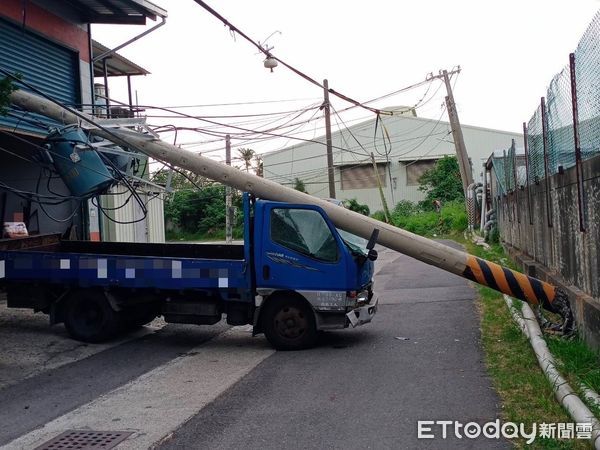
x: 578, y: 411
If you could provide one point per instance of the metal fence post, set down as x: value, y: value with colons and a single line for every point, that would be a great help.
x: 578, y: 166
x: 513, y: 148
x: 546, y: 169
x: 507, y: 185
x: 527, y: 173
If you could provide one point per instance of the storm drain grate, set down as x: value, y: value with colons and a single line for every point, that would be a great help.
x: 85, y: 440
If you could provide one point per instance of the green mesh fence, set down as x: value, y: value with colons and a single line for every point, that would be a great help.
x: 510, y: 168
x: 587, y: 73
x: 504, y: 170
x: 498, y: 170
x: 559, y: 112
x: 535, y: 144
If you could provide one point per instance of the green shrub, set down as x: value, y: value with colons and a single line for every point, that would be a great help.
x: 378, y: 215
x: 454, y: 216
x: 423, y: 223
x: 353, y: 205
x: 7, y: 87
x: 405, y: 208
x: 442, y: 182
x: 451, y: 219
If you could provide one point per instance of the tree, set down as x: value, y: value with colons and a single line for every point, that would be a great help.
x: 6, y: 88
x: 182, y: 179
x: 299, y: 185
x: 442, y: 182
x: 247, y: 155
x: 201, y: 210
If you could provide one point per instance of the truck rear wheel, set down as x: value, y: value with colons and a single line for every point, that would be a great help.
x: 89, y: 317
x: 289, y: 324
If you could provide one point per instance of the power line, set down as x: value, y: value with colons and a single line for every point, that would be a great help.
x: 242, y: 103
x: 268, y: 54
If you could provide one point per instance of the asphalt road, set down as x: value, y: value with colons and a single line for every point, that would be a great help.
x: 187, y: 387
x: 420, y: 359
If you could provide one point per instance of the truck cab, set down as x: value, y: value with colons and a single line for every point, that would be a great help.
x: 310, y: 276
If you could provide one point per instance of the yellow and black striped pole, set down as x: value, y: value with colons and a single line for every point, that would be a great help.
x: 518, y: 285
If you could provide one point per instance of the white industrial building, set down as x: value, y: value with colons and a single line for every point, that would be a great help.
x: 413, y: 146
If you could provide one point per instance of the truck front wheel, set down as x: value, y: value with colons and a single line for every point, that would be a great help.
x: 89, y: 317
x: 289, y: 324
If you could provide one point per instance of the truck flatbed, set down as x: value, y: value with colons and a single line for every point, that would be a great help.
x: 124, y: 265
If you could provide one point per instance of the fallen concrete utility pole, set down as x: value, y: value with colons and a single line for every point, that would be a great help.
x: 487, y: 273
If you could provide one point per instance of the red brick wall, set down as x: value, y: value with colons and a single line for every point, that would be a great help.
x: 47, y: 24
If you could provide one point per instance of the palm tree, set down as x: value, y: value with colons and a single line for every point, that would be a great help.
x: 299, y: 185
x: 247, y: 154
x: 259, y: 166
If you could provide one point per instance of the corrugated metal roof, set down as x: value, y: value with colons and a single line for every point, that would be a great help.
x: 116, y: 64
x: 132, y: 12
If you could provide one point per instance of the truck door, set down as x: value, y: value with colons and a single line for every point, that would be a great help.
x: 300, y: 251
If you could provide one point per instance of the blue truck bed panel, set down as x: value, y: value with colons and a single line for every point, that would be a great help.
x: 51, y: 264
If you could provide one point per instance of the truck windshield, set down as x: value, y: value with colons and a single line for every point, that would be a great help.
x: 356, y: 244
x: 304, y: 231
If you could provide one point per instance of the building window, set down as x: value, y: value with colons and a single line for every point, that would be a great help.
x: 416, y: 169
x: 362, y: 176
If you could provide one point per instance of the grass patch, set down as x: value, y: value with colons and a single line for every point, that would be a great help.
x: 526, y: 394
x: 578, y: 364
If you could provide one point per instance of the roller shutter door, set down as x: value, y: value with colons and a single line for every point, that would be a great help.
x: 45, y: 65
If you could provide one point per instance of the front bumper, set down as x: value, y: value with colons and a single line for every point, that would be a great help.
x: 362, y: 314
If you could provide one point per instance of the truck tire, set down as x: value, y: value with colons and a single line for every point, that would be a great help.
x: 289, y: 324
x: 89, y: 317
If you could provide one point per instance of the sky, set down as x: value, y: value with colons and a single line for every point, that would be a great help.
x: 508, y: 52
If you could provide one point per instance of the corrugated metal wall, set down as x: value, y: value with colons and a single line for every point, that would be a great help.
x: 45, y: 65
x: 128, y: 211
x: 411, y: 139
x: 156, y: 219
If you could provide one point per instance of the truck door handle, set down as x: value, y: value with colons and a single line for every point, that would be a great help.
x: 266, y: 272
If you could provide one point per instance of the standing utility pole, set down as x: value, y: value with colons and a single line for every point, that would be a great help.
x: 330, y: 170
x: 228, y: 208
x: 466, y: 173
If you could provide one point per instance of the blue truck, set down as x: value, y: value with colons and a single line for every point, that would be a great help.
x: 295, y: 275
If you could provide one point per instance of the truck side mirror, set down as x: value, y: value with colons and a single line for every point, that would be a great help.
x: 373, y: 239
x: 372, y: 255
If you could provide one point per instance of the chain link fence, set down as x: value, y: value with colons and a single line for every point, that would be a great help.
x: 559, y: 107
x: 587, y: 75
x: 560, y: 131
x: 498, y: 168
x: 535, y: 146
x: 509, y: 170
